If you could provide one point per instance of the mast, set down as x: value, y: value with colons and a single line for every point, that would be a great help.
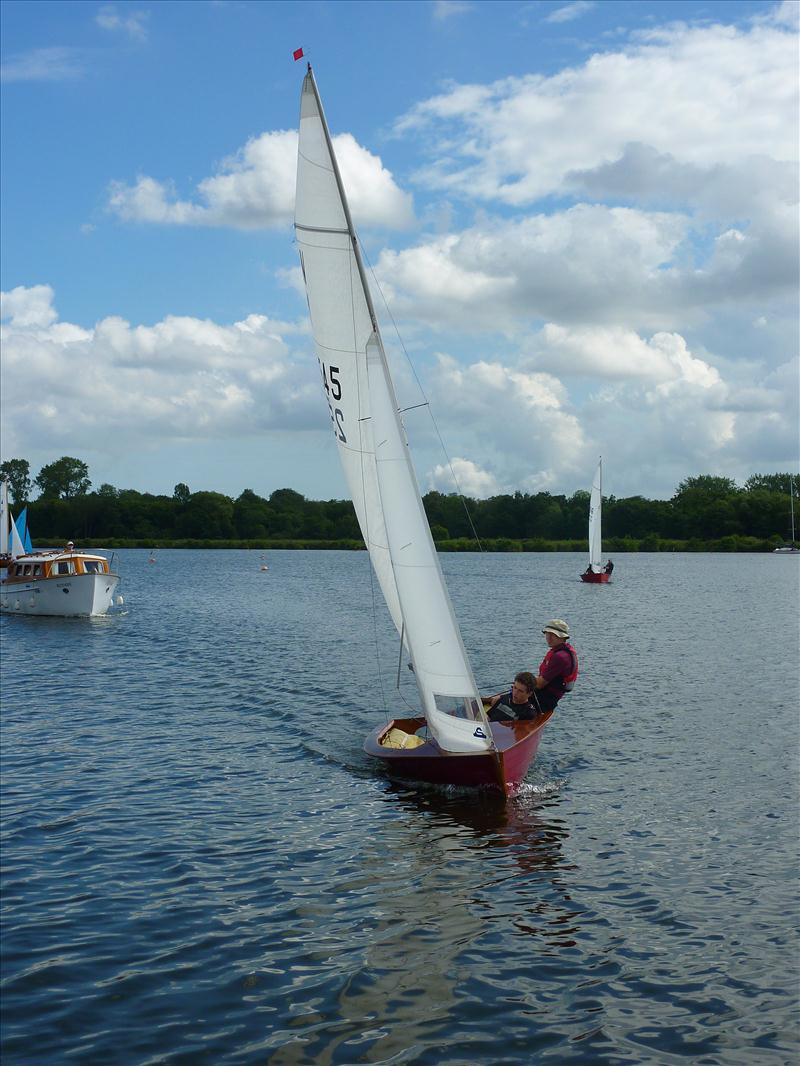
x: 791, y: 503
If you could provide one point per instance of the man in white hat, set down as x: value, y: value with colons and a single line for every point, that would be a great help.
x: 559, y: 668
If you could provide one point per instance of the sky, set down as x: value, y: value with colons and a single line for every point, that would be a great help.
x: 580, y: 221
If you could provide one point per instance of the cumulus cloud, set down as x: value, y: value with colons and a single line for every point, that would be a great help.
x: 255, y: 189
x: 463, y: 476
x: 593, y: 264
x: 652, y: 407
x: 181, y: 378
x: 521, y: 417
x: 707, y: 96
x: 622, y: 354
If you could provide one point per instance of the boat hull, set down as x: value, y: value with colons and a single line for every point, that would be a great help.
x: 67, y: 596
x: 595, y: 579
x: 516, y: 743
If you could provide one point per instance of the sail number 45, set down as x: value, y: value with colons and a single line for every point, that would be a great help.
x: 333, y: 391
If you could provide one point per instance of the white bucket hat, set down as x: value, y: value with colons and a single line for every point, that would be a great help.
x: 558, y: 627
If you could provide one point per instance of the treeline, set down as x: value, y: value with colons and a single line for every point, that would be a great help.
x: 705, y: 512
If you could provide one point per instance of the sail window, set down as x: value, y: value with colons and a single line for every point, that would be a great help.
x: 460, y: 707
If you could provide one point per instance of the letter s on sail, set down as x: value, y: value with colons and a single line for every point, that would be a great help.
x: 479, y: 733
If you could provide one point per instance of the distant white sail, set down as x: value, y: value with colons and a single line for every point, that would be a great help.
x: 16, y: 548
x: 595, y: 521
x: 4, y: 516
x: 372, y: 442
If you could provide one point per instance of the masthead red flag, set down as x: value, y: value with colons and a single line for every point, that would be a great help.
x: 297, y: 54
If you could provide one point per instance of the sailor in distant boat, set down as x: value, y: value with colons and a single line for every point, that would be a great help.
x: 517, y: 704
x: 608, y: 568
x: 559, y: 668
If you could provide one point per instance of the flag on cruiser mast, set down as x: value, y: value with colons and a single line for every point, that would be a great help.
x: 297, y: 54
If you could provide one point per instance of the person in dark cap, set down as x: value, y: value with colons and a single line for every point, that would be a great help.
x: 559, y: 668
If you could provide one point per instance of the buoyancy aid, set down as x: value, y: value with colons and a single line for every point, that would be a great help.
x: 566, y: 682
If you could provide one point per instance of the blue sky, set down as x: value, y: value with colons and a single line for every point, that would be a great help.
x: 582, y: 216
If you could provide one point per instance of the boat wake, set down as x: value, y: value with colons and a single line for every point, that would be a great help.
x: 527, y: 790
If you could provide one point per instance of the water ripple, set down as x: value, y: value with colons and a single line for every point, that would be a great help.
x: 201, y: 865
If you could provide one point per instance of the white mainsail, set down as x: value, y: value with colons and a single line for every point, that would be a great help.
x: 595, y: 520
x: 4, y: 524
x: 372, y: 442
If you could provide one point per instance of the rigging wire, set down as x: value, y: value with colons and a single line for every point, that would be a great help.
x: 426, y: 403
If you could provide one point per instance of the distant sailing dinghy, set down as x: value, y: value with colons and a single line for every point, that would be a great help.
x: 452, y: 742
x: 595, y: 573
x: 790, y: 548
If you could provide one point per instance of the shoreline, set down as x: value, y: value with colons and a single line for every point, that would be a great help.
x: 614, y: 546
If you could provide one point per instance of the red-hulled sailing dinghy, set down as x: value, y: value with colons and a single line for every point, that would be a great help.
x: 595, y: 573
x: 515, y: 743
x: 461, y: 747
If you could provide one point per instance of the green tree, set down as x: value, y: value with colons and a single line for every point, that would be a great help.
x: 770, y: 483
x: 704, y: 507
x: 208, y: 515
x: 252, y: 516
x: 18, y: 474
x: 63, y: 479
x: 635, y: 516
x: 181, y: 493
x: 707, y: 485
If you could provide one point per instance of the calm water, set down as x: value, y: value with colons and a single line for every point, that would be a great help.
x: 200, y: 865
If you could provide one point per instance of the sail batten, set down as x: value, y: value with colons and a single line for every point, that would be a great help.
x: 372, y: 443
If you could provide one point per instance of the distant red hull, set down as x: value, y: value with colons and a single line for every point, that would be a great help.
x: 516, y: 742
x: 595, y: 579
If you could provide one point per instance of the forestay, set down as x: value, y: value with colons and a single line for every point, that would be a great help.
x: 595, y: 520
x: 372, y: 442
